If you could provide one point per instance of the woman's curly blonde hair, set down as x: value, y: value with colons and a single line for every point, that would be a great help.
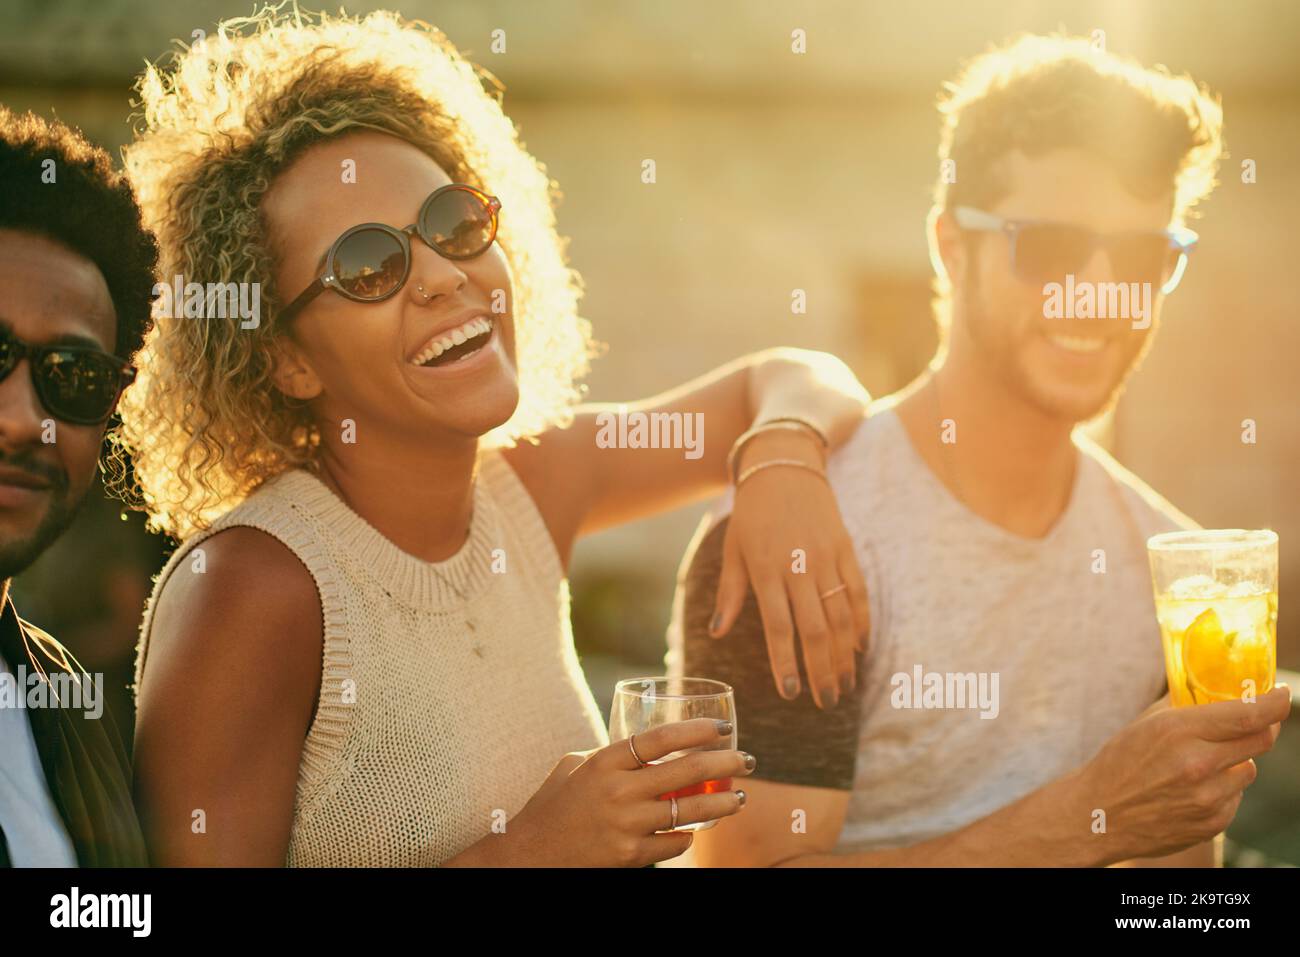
x: 203, y: 424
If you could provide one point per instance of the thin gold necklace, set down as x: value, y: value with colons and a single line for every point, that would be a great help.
x: 328, y: 481
x: 469, y: 622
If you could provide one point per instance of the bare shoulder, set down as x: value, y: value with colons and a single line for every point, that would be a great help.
x: 244, y: 616
x: 226, y: 698
x: 540, y: 461
x: 796, y: 742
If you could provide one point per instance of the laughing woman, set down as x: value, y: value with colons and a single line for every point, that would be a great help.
x: 361, y: 653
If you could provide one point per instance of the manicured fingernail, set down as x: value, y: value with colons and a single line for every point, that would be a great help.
x: 791, y: 687
x: 716, y: 623
x: 741, y: 795
x: 751, y: 762
x: 830, y: 696
x: 724, y: 727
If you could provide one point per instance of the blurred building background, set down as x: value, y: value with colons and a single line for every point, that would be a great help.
x: 776, y: 172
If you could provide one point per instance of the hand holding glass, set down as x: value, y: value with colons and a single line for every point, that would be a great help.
x: 643, y: 703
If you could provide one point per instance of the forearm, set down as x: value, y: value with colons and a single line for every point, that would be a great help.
x: 810, y: 385
x: 1045, y: 828
x: 631, y: 474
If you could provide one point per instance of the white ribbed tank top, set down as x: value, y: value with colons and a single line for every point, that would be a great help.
x: 426, y: 731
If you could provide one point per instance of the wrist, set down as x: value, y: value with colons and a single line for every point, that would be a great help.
x: 766, y: 426
x: 1079, y: 824
x: 1049, y: 827
x: 779, y: 444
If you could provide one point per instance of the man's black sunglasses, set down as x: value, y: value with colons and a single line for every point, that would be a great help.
x: 1043, y: 251
x: 76, y: 384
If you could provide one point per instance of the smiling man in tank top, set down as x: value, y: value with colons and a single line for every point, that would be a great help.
x: 1010, y: 710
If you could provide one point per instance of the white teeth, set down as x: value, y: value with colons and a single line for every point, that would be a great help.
x: 1079, y: 343
x: 477, y: 326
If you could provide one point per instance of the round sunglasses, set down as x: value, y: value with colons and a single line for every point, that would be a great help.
x: 1044, y: 251
x: 372, y: 261
x: 76, y: 384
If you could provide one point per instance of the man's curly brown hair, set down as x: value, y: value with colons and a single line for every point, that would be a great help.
x: 1162, y: 134
x: 204, y: 424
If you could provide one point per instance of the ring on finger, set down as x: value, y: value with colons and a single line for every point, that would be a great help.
x: 673, y: 825
x: 834, y: 591
x: 632, y: 747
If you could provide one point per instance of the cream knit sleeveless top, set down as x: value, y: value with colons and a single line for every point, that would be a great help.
x: 449, y: 690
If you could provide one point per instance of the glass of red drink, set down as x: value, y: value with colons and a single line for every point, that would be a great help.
x: 642, y: 703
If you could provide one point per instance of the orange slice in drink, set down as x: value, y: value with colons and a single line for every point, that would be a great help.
x: 1218, y: 663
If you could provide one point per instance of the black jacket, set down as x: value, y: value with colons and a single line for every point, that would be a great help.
x: 84, y: 759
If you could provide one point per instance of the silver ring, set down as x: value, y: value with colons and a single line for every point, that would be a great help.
x: 834, y: 591
x: 673, y: 826
x: 632, y: 747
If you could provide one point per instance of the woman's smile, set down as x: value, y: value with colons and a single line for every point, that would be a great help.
x: 453, y: 344
x: 463, y: 350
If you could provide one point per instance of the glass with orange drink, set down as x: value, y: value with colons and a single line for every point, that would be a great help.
x: 1216, y: 601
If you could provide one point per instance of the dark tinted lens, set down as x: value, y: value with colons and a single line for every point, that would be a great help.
x: 457, y: 223
x: 8, y: 354
x: 1046, y: 253
x: 1142, y: 257
x: 79, y: 386
x: 370, y: 263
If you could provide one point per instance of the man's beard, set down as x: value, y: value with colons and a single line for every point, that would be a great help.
x: 996, y: 342
x: 17, y: 555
